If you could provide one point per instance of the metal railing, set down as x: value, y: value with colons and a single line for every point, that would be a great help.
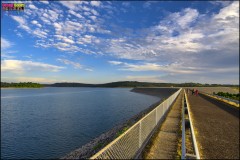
x: 130, y: 143
x: 195, y: 146
x: 183, y: 156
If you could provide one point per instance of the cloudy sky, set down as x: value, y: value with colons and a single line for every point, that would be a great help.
x: 98, y: 42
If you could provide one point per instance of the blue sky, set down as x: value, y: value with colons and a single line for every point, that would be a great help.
x: 99, y: 42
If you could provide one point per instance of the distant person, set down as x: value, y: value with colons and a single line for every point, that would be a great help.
x: 193, y: 92
x: 196, y: 92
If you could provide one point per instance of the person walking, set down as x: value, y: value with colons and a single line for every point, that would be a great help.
x: 192, y: 91
x: 196, y: 92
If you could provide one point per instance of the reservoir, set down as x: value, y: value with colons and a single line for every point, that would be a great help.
x: 53, y: 121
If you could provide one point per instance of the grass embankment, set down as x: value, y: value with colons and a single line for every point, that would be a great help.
x: 228, y: 95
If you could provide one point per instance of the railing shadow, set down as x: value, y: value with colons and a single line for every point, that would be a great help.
x: 224, y: 106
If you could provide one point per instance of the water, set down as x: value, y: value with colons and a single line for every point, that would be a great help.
x: 51, y: 122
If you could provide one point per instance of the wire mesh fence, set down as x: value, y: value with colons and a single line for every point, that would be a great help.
x: 127, y: 145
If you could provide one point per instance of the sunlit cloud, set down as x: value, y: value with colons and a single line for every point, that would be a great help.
x: 5, y: 44
x: 19, y: 66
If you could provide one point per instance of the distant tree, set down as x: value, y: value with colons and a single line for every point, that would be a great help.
x: 21, y: 85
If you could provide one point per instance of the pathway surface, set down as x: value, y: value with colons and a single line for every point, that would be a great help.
x: 163, y: 144
x: 216, y: 126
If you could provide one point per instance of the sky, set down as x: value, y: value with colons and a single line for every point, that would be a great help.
x: 108, y: 41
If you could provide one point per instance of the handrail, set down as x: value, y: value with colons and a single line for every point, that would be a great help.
x: 192, y: 129
x: 131, y: 142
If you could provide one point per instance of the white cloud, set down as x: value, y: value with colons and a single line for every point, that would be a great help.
x: 173, y: 68
x: 36, y: 23
x: 89, y: 69
x: 189, y: 16
x: 93, y: 18
x: 31, y: 6
x: 95, y: 3
x: 62, y: 45
x: 115, y: 62
x: 94, y: 12
x: 45, y: 15
x: 71, y: 4
x: 76, y: 65
x: 57, y: 26
x: 68, y: 62
x: 63, y: 38
x: 86, y: 39
x: 53, y: 16
x: 48, y: 16
x: 141, y: 67
x: 19, y: 66
x: 40, y: 33
x: 45, y: 20
x: 231, y: 11
x: 22, y: 23
x: 67, y: 40
x: 5, y: 44
x: 75, y: 14
x: 45, y: 2
x: 19, y: 34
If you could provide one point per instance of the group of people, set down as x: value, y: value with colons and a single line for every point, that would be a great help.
x: 194, y: 91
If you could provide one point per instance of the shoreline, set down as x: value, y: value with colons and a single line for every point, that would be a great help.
x: 95, y: 145
x: 21, y: 87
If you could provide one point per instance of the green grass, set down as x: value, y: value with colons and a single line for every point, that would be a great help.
x: 228, y: 95
x: 98, y: 146
x: 122, y: 131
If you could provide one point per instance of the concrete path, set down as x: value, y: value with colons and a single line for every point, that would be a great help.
x: 163, y: 144
x: 216, y: 127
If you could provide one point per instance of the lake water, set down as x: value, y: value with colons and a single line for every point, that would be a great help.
x: 51, y: 122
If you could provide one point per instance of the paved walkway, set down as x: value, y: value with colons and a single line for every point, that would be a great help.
x: 163, y: 145
x: 216, y: 127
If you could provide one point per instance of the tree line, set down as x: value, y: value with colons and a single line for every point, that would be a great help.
x: 21, y: 85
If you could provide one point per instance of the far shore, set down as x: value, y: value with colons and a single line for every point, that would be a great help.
x: 21, y: 87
